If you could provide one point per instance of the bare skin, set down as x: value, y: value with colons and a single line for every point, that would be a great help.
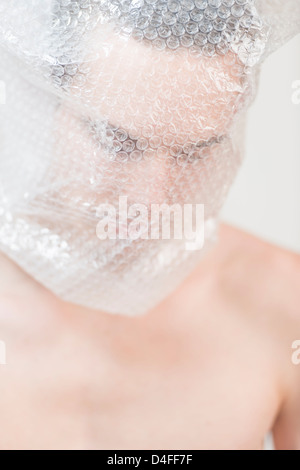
x: 209, y: 368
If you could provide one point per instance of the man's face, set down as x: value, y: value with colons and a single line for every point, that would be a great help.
x: 148, y: 124
x: 149, y: 114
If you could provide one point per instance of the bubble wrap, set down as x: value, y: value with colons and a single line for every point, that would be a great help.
x: 112, y: 98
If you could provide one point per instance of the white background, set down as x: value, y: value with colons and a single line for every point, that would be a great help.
x: 265, y: 199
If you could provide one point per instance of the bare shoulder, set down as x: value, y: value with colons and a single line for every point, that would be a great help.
x: 266, y: 276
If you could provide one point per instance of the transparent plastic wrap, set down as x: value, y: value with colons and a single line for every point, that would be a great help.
x: 110, y: 99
